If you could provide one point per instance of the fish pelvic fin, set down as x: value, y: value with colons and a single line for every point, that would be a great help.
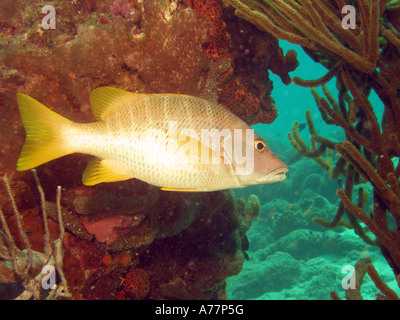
x: 99, y: 170
x: 43, y: 128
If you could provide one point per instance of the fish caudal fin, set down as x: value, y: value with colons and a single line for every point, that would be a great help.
x: 43, y: 127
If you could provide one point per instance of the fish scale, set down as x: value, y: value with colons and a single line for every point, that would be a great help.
x: 140, y: 159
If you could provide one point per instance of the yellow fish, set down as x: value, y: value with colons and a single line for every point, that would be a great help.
x: 176, y: 142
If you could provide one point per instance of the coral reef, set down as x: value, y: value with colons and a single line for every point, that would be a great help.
x: 317, y: 26
x: 211, y: 240
x: 248, y: 51
x: 136, y: 284
x: 316, y: 255
x: 280, y: 265
x: 190, y: 47
x: 28, y: 267
x: 302, y: 265
x: 364, y: 58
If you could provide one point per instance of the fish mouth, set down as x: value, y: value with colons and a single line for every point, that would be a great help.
x: 276, y: 175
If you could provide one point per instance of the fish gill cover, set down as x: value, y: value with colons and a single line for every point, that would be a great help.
x: 128, y: 240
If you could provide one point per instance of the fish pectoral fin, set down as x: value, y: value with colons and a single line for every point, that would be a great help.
x: 99, y: 170
x: 105, y: 99
x: 184, y: 189
x: 195, y: 151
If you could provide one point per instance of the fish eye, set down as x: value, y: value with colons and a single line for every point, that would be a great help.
x: 260, y: 145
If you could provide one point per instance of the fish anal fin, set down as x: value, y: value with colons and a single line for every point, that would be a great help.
x: 105, y: 99
x: 99, y: 170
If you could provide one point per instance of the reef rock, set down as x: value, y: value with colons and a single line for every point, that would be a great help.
x: 185, y: 245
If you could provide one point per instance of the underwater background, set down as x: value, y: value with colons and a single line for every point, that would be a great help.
x: 329, y: 231
x: 290, y: 256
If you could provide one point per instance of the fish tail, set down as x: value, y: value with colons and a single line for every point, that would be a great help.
x: 43, y: 128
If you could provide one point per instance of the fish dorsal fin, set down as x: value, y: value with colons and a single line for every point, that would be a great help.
x: 98, y: 171
x: 105, y: 99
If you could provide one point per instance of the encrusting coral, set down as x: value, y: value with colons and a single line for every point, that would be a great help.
x: 240, y: 48
x: 363, y: 58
